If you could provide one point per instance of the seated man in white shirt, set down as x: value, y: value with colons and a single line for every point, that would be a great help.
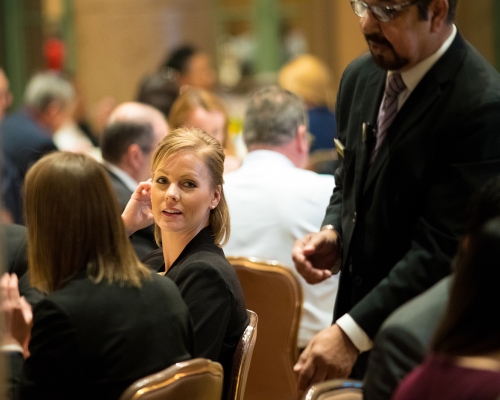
x: 133, y: 132
x: 273, y: 201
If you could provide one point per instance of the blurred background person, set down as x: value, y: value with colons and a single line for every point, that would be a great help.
x: 308, y: 77
x: 189, y: 66
x: 88, y: 334
x: 128, y: 142
x: 185, y: 67
x: 27, y: 134
x: 159, y: 91
x: 272, y: 184
x: 192, y: 222
x: 5, y: 102
x: 5, y: 95
x: 198, y: 108
x: 465, y: 358
x: 76, y: 134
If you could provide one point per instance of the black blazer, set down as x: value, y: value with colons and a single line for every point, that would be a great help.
x: 91, y: 341
x: 16, y: 251
x: 400, y: 219
x: 211, y: 289
x: 143, y: 241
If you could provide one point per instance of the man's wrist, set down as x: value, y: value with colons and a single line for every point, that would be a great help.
x: 355, y: 333
x: 333, y: 237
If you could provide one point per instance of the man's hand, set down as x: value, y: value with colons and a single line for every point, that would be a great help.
x: 17, y: 313
x: 138, y: 213
x: 315, y: 255
x: 329, y: 355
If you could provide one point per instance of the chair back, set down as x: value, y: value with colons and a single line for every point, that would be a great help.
x: 274, y: 293
x: 198, y: 379
x: 337, y: 389
x: 242, y: 358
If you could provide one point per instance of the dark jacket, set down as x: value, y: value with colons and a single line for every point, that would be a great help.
x: 400, y: 218
x: 211, y: 289
x: 91, y: 341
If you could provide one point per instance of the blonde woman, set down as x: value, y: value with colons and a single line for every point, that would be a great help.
x: 191, y: 224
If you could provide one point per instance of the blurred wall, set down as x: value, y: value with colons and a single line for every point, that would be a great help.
x: 118, y: 41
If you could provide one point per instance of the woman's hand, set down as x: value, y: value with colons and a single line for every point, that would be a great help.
x: 17, y: 313
x: 138, y: 213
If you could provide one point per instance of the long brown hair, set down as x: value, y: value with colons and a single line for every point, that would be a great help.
x: 74, y: 225
x: 210, y: 150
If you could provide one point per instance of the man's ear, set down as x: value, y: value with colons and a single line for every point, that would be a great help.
x: 302, y: 140
x: 438, y: 14
x: 134, y: 156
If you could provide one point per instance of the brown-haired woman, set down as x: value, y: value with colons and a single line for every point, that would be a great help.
x: 107, y: 320
x: 465, y: 359
x: 192, y: 223
x: 198, y: 108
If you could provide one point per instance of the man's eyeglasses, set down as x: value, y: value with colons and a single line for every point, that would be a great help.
x: 381, y: 13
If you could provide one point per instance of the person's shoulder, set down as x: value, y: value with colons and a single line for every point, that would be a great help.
x: 425, y: 307
x: 205, y: 259
x: 206, y: 264
x: 154, y: 260
x: 311, y: 183
x: 362, y: 64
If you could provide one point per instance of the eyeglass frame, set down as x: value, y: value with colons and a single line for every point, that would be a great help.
x: 395, y: 9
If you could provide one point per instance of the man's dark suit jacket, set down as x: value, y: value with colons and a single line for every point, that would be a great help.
x: 404, y: 340
x: 24, y: 141
x: 400, y: 218
x: 211, y: 289
x: 91, y: 341
x: 143, y: 241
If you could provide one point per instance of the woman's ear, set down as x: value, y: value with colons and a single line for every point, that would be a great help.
x: 217, y: 196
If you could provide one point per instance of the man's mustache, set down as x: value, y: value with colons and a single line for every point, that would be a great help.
x: 377, y: 39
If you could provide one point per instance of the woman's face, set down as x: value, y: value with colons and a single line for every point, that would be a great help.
x: 182, y: 194
x: 212, y: 122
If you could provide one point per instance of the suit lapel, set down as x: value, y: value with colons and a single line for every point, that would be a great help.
x: 369, y: 110
x: 414, y: 110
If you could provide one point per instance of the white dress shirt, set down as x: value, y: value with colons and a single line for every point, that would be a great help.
x: 272, y: 203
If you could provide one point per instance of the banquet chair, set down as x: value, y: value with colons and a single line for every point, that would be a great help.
x: 197, y: 379
x: 242, y: 358
x: 337, y: 389
x: 274, y: 293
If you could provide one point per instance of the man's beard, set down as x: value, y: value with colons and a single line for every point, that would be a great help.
x: 397, y: 61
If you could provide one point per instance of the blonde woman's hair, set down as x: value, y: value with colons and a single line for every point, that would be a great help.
x: 308, y: 77
x: 212, y: 153
x: 74, y: 225
x: 193, y: 98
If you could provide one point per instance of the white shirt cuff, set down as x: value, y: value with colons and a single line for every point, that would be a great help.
x: 11, y: 348
x: 354, y: 332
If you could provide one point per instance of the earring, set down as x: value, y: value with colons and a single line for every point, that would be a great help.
x: 212, y: 207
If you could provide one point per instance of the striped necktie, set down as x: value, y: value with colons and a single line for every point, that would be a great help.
x: 389, y: 110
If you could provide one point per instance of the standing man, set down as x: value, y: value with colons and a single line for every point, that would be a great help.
x: 419, y: 132
x: 288, y: 200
